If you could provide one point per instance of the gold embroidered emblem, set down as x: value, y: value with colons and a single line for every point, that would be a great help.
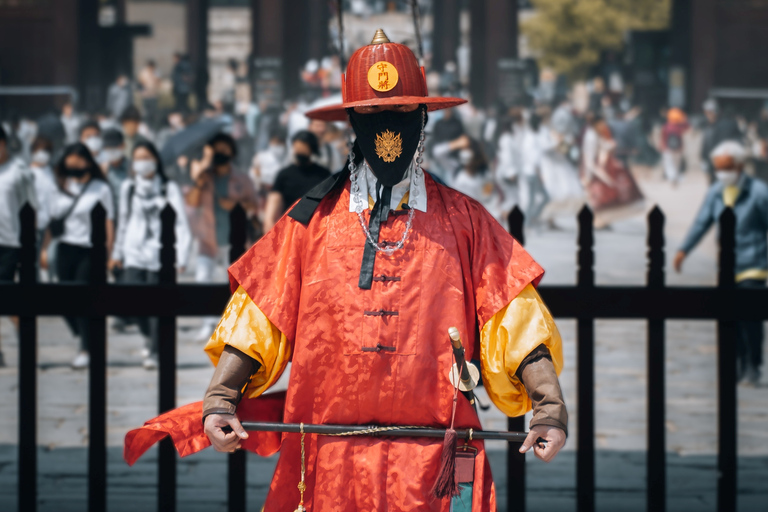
x: 382, y: 76
x: 389, y: 146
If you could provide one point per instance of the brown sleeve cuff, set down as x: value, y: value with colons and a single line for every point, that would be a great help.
x: 230, y: 378
x: 537, y: 373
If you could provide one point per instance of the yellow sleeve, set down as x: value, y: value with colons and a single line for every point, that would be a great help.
x: 244, y: 327
x: 506, y: 339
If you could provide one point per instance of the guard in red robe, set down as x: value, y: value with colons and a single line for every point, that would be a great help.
x: 357, y: 287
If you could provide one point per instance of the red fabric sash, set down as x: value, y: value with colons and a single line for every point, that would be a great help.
x: 185, y: 426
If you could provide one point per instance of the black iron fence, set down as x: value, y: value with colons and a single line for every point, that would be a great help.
x: 585, y: 302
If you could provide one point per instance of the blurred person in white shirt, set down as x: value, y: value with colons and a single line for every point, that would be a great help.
x: 16, y: 189
x: 81, y: 186
x: 143, y: 196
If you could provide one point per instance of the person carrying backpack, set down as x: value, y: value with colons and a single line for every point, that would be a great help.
x: 137, y: 247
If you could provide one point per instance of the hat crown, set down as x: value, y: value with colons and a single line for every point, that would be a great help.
x: 380, y: 37
x: 361, y: 82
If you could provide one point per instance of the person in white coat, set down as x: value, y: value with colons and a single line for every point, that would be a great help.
x: 475, y: 179
x: 534, y: 143
x: 137, y: 247
x: 45, y: 185
x: 509, y: 160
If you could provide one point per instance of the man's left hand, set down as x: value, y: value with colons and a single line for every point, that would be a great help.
x: 554, y: 437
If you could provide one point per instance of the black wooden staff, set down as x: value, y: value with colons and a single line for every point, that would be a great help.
x: 354, y: 430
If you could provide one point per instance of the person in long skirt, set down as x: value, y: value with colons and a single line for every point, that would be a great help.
x: 612, y: 192
x: 559, y: 175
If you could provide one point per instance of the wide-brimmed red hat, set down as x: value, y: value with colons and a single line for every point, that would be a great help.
x: 382, y: 73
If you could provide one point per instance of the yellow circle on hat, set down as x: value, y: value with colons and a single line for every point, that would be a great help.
x: 382, y: 76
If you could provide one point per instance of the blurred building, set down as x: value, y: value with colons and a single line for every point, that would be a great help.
x: 718, y: 49
x: 82, y: 45
x: 79, y: 44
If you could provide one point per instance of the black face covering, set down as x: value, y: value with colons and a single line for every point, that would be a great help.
x: 303, y: 160
x: 72, y: 172
x: 221, y: 159
x: 388, y: 141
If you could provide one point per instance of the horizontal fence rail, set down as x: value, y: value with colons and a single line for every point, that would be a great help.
x: 585, y: 302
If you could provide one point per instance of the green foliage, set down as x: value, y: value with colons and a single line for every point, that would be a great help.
x: 570, y: 35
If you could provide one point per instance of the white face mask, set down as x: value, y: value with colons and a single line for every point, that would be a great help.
x: 111, y: 155
x: 727, y: 178
x: 277, y: 151
x: 41, y: 157
x: 465, y: 156
x: 94, y: 143
x: 144, y: 168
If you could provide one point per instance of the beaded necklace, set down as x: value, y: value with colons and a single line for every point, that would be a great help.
x: 418, y: 175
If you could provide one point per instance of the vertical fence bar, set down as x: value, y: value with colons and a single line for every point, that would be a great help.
x: 166, y: 376
x: 236, y: 462
x: 97, y: 379
x: 727, y: 396
x: 27, y: 485
x: 656, y: 465
x: 515, y: 459
x: 585, y: 446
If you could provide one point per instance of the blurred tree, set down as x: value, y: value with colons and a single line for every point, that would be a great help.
x: 570, y: 35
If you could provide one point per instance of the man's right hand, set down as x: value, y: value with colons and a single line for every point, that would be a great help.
x: 222, y: 438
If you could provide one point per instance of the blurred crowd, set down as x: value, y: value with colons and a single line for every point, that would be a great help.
x: 135, y: 156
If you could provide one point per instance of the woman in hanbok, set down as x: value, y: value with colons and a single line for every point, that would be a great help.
x: 559, y: 175
x: 612, y: 192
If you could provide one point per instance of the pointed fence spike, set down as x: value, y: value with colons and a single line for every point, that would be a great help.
x: 28, y: 239
x: 167, y: 244
x: 516, y: 221
x: 655, y: 241
x: 586, y: 255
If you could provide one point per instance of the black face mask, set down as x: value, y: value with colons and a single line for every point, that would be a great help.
x: 71, y: 172
x: 221, y: 159
x: 303, y: 160
x: 388, y: 141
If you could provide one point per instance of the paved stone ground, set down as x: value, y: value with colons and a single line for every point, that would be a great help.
x: 620, y: 394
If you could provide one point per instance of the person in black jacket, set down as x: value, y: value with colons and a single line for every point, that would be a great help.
x: 295, y: 180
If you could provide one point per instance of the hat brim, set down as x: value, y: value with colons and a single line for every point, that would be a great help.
x: 339, y: 112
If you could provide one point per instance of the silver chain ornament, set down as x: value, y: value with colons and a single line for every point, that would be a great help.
x: 418, y: 174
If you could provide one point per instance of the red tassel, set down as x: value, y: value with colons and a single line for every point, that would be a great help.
x: 445, y: 485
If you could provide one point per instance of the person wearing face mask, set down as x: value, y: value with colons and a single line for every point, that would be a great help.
x: 476, y: 179
x: 81, y: 186
x: 45, y: 183
x: 114, y: 164
x: 131, y: 126
x: 358, y: 286
x: 748, y: 197
x: 90, y: 135
x: 328, y: 156
x: 17, y: 188
x: 268, y: 163
x: 295, y: 180
x: 143, y: 196
x: 217, y: 189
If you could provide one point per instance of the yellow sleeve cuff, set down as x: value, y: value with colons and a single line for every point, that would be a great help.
x: 506, y: 339
x: 244, y: 327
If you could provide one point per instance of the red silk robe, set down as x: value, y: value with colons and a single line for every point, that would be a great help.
x: 354, y: 364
